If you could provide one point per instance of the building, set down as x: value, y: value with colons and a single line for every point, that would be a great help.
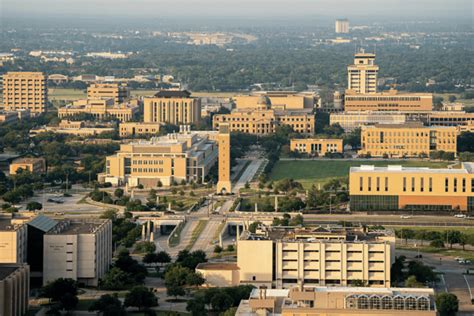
x: 387, y: 101
x: 119, y: 93
x: 186, y: 156
x: 362, y: 75
x: 406, y: 140
x: 340, y: 301
x: 279, y: 100
x: 316, y: 146
x: 101, y: 109
x: 219, y: 274
x: 80, y: 250
x: 450, y: 118
x: 33, y: 165
x: 14, y: 289
x: 138, y: 129
x: 13, y: 241
x: 8, y: 117
x: 455, y: 106
x: 172, y: 107
x: 415, y: 189
x: 25, y: 90
x: 352, y: 120
x: 342, y: 26
x: 224, y: 185
x: 77, y: 128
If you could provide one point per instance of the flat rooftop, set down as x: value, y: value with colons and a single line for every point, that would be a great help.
x: 468, y: 168
x: 6, y: 270
x: 27, y: 160
x: 75, y: 228
x: 217, y: 266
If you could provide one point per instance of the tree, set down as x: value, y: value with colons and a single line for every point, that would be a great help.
x: 116, y: 279
x: 221, y: 301
x: 163, y: 257
x: 406, y: 234
x: 411, y: 281
x: 230, y: 248
x: 108, y: 305
x: 437, y: 243
x: 32, y: 206
x: 150, y: 257
x: 196, y: 306
x: 145, y: 247
x: 62, y: 291
x: 453, y: 237
x: 141, y: 297
x: 447, y: 304
x: 217, y: 249
x: 118, y: 193
x: 230, y: 312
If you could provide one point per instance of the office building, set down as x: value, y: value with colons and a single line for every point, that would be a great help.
x: 224, y: 185
x: 185, y: 156
x: 450, y: 118
x: 219, y: 274
x: 342, y: 26
x: 316, y: 146
x: 80, y: 250
x: 25, y: 90
x: 391, y: 100
x: 172, y: 107
x: 340, y: 301
x: 130, y: 129
x: 33, y: 165
x: 101, y: 109
x: 115, y: 91
x: 14, y: 289
x: 77, y: 128
x: 279, y: 100
x: 406, y: 140
x: 13, y: 241
x: 350, y: 121
x: 411, y: 189
x: 362, y: 75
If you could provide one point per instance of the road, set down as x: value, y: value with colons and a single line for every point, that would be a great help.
x: 247, y: 175
x: 204, y: 242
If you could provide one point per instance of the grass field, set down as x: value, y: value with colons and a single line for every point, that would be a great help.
x: 310, y: 172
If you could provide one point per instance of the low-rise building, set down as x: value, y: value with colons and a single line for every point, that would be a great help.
x: 101, y: 109
x: 172, y: 107
x: 352, y: 120
x: 316, y: 146
x: 33, y: 165
x: 185, y: 156
x: 340, y: 301
x: 13, y: 241
x: 14, y: 289
x: 138, y: 129
x: 116, y: 91
x: 80, y: 250
x: 411, y: 189
x: 279, y: 100
x: 457, y: 118
x: 387, y: 101
x: 219, y: 274
x: 77, y: 128
x: 407, y: 140
x: 8, y: 117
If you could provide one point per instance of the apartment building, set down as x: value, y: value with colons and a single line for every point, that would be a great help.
x: 352, y: 120
x: 25, y: 91
x: 342, y: 26
x: 175, y: 157
x: 130, y: 129
x: 101, y: 109
x: 14, y: 289
x: 316, y: 146
x: 33, y: 165
x: 172, y: 107
x: 414, y: 189
x: 115, y: 91
x: 362, y: 75
x: 340, y: 301
x: 391, y: 100
x: 13, y: 241
x: 406, y: 140
x: 80, y: 250
x: 279, y: 100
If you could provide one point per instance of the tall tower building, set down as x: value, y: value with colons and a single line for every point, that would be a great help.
x: 25, y: 91
x: 224, y: 185
x: 362, y: 75
x: 114, y: 91
x: 172, y: 107
x: 342, y: 26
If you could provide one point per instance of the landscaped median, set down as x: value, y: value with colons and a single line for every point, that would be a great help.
x: 196, y: 233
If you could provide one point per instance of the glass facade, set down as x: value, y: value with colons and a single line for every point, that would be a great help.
x: 374, y: 202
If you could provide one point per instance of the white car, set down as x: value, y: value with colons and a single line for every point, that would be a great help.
x: 405, y: 216
x: 460, y: 215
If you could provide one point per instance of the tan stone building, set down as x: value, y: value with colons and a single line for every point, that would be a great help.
x: 224, y: 185
x: 13, y: 241
x: 25, y: 90
x: 412, y: 189
x: 119, y: 93
x: 138, y: 129
x: 388, y: 101
x: 319, y: 146
x: 80, y: 250
x: 77, y: 128
x: 14, y: 289
x: 175, y: 157
x: 352, y: 120
x: 340, y: 301
x: 279, y: 100
x: 406, y: 140
x: 172, y: 107
x: 101, y: 109
x: 455, y: 118
x: 342, y: 26
x: 219, y: 274
x: 33, y: 165
x: 362, y: 75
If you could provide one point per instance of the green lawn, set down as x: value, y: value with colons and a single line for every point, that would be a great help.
x: 310, y: 172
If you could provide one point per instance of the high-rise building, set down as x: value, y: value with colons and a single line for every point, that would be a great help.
x: 25, y: 90
x: 342, y: 26
x: 362, y: 75
x: 224, y: 184
x: 119, y: 93
x: 14, y: 289
x: 172, y: 107
x: 13, y: 241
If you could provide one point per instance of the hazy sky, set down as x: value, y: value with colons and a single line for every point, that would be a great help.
x: 242, y: 8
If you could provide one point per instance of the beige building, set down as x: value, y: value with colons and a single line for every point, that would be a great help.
x: 454, y: 118
x: 33, y: 165
x: 138, y: 129
x: 362, y: 75
x: 14, y: 289
x: 13, y: 241
x: 406, y: 140
x: 340, y: 301
x: 25, y: 90
x: 279, y: 100
x: 172, y: 107
x: 224, y: 185
x: 77, y: 128
x: 175, y: 157
x: 319, y: 146
x: 412, y: 189
x: 80, y: 250
x: 115, y: 91
x: 101, y: 109
x: 8, y: 117
x: 219, y: 274
x: 342, y: 26
x: 350, y: 121
x: 391, y: 100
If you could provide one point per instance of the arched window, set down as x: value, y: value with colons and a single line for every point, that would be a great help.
x: 374, y: 302
x: 410, y: 303
x: 423, y: 303
x: 398, y: 302
x: 363, y: 302
x: 351, y: 302
x: 387, y: 302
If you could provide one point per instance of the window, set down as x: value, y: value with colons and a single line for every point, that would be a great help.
x: 455, y: 185
x: 378, y: 184
x: 412, y: 184
x: 361, y: 184
x: 431, y: 184
x: 404, y: 184
x: 464, y: 184
x: 422, y: 184
x: 446, y: 184
x: 386, y: 184
x: 370, y: 183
